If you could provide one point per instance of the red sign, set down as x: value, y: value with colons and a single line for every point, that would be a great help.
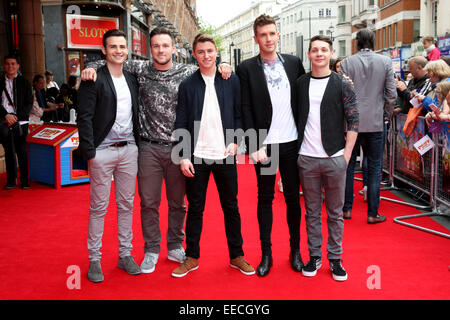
x: 139, y: 42
x: 86, y: 32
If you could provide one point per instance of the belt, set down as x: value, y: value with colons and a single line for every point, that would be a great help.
x: 119, y: 144
x: 161, y: 143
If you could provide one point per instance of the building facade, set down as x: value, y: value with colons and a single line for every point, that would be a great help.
x: 64, y: 35
x: 304, y: 19
x: 237, y: 33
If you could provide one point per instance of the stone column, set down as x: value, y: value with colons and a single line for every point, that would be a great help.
x: 31, y: 35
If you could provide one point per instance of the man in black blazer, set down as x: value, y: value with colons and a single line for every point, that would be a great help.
x: 16, y: 104
x: 108, y: 130
x: 266, y: 82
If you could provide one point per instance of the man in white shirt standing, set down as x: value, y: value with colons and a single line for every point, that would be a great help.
x: 324, y: 101
x: 108, y: 129
x: 207, y: 101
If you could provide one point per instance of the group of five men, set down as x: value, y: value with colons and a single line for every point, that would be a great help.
x: 188, y: 124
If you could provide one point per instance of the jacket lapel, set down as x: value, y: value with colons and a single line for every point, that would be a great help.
x: 110, y: 81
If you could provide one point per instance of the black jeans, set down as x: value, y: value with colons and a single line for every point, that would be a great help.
x: 286, y: 160
x: 14, y: 143
x: 225, y: 176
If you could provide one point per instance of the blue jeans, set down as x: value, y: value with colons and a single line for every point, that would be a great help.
x: 372, y: 144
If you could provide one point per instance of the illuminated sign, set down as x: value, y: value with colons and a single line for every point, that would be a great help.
x: 86, y: 32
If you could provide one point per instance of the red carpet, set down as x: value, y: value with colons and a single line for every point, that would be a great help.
x: 43, y: 233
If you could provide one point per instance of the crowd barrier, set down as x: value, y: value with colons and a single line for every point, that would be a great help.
x: 428, y: 174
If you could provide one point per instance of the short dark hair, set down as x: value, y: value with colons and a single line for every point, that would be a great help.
x: 161, y: 30
x: 365, y: 39
x: 321, y: 37
x: 37, y: 77
x: 48, y: 73
x: 113, y: 33
x: 261, y: 21
x: 11, y: 56
x: 203, y: 37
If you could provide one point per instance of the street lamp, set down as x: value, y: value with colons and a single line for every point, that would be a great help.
x: 231, y: 45
x: 331, y: 30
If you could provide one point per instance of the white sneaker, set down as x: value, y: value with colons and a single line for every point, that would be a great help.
x: 365, y: 193
x: 177, y: 255
x: 149, y: 262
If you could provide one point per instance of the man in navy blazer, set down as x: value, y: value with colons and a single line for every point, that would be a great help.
x: 108, y: 131
x: 266, y: 82
x: 209, y: 112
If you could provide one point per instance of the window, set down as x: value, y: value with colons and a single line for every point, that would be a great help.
x: 434, y: 14
x: 320, y: 31
x: 342, y: 52
x: 395, y: 33
x: 341, y: 17
x: 371, y: 2
x: 389, y: 36
x: 384, y: 37
x: 416, y: 30
x: 320, y: 13
x: 328, y: 12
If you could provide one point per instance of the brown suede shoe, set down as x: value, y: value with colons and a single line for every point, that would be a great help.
x: 242, y: 265
x: 377, y: 219
x: 348, y: 214
x: 190, y: 264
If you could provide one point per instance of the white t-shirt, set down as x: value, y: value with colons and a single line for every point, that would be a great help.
x: 122, y: 130
x: 312, y: 140
x: 5, y: 101
x: 211, y: 142
x: 282, y: 128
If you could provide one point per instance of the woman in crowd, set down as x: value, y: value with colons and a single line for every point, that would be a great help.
x: 336, y: 67
x: 49, y: 80
x: 443, y: 112
x: 438, y: 72
x: 431, y: 49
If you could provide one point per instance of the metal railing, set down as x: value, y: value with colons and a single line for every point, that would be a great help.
x: 428, y: 174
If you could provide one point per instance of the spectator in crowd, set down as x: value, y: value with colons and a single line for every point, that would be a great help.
x: 49, y: 80
x: 446, y: 59
x: 49, y: 107
x: 336, y: 66
x: 431, y: 49
x: 74, y: 83
x: 65, y: 97
x: 438, y: 72
x: 442, y: 113
x: 36, y: 112
x: 374, y: 84
x: 418, y: 84
x: 16, y: 103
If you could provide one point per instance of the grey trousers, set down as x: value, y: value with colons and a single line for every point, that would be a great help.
x: 330, y: 174
x: 155, y: 164
x: 120, y: 163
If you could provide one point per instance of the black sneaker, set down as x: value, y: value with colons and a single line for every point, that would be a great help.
x: 310, y: 269
x: 337, y: 270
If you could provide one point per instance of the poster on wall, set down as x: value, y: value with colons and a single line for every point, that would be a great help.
x: 74, y: 63
x: 446, y: 158
x: 408, y: 159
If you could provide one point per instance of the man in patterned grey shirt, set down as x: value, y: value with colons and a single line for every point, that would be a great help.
x: 158, y: 95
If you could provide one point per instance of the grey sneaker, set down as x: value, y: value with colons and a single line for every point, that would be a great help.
x: 95, y: 271
x: 127, y: 263
x: 177, y: 255
x: 149, y: 262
